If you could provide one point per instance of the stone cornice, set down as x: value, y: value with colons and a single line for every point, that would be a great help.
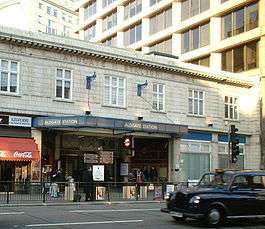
x: 79, y: 47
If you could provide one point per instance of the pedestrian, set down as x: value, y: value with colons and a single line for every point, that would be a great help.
x: 53, y: 190
x: 153, y: 174
x: 88, y: 183
x: 139, y: 181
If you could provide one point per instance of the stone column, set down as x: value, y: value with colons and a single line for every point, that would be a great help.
x: 262, y: 81
x: 173, y: 159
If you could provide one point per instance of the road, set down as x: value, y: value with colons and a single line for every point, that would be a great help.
x: 115, y: 216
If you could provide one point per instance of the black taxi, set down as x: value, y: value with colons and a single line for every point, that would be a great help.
x: 220, y: 195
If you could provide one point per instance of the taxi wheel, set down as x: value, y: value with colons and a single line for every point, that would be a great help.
x: 179, y: 219
x: 214, y: 217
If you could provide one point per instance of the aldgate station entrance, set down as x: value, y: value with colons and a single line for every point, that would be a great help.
x: 70, y: 143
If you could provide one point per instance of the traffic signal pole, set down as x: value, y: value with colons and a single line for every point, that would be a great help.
x: 229, y: 164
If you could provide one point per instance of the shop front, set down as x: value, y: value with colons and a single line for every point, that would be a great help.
x: 19, y: 160
x: 79, y: 142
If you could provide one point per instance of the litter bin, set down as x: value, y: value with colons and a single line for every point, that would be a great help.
x: 69, y: 190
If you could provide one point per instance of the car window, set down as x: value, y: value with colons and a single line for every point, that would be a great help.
x: 249, y: 182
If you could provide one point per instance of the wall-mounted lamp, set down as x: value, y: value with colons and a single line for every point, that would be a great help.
x: 89, y: 79
x: 87, y: 112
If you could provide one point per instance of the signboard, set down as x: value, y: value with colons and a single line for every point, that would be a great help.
x: 100, y: 193
x: 106, y: 157
x: 109, y: 123
x: 19, y: 121
x: 98, y: 172
x: 170, y: 188
x: 124, y: 169
x: 90, y: 158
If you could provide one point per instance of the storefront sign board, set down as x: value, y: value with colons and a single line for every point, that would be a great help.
x: 98, y: 172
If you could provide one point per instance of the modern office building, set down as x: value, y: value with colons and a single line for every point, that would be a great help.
x: 222, y: 34
x: 55, y: 17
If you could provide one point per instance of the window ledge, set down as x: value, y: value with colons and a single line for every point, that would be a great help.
x: 231, y: 120
x: 159, y: 112
x: 196, y: 116
x: 109, y: 106
x: 10, y: 94
x: 63, y: 100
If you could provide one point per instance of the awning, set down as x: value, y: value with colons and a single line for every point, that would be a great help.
x: 18, y: 149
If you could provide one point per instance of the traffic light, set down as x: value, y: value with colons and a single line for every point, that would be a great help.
x: 127, y: 142
x: 235, y: 150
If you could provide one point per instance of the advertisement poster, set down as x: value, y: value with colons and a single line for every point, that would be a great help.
x: 100, y: 193
x: 143, y: 192
x: 124, y: 169
x: 158, y: 193
x: 129, y: 192
x: 170, y: 188
x: 98, y: 172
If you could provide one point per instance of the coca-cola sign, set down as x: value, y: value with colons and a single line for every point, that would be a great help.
x: 22, y: 154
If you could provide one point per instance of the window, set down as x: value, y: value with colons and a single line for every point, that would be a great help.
x: 241, y: 58
x: 48, y: 10
x: 153, y: 2
x: 90, y: 9
x: 55, y: 13
x: 40, y: 5
x: 132, y: 8
x: 90, y: 32
x: 63, y: 16
x: 39, y: 19
x: 109, y: 21
x: 66, y: 31
x: 107, y: 2
x: 63, y: 83
x: 240, y: 21
x: 231, y: 107
x: 114, y: 91
x: 195, y: 38
x: 159, y: 97
x: 223, y: 161
x: 8, y: 76
x: 190, y: 8
x: 164, y: 46
x: 133, y: 35
x: 112, y: 41
x: 51, y: 28
x: 205, y: 61
x: 161, y: 21
x: 196, y: 102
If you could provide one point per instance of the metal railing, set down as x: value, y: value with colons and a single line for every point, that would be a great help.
x: 60, y: 192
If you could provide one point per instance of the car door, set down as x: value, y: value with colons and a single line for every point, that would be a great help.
x: 259, y: 190
x: 242, y: 199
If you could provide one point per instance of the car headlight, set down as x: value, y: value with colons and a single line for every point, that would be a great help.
x: 195, y: 200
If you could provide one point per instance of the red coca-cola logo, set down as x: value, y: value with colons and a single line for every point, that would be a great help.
x: 23, y: 154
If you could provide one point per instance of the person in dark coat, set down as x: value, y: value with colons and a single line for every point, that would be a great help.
x: 88, y: 184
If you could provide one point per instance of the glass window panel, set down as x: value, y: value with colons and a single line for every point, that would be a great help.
x: 238, y: 22
x: 227, y: 26
x: 196, y: 106
x: 168, y: 18
x: 251, y: 56
x: 190, y: 106
x: 201, y: 107
x: 195, y: 38
x: 238, y: 59
x: 205, y: 61
x: 190, y: 93
x: 4, y: 65
x: 13, y: 66
x: 67, y: 74
x: 226, y: 111
x: 205, y: 35
x: 196, y: 94
x: 194, y: 7
x: 231, y: 112
x: 235, y: 112
x: 205, y: 5
x: 59, y: 91
x: 13, y: 82
x: 252, y: 16
x: 67, y: 86
x: 139, y: 32
x: 184, y: 10
x: 185, y: 42
x: 59, y: 73
x: 227, y: 61
x: 4, y: 81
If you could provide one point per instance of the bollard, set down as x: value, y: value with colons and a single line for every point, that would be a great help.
x: 7, y: 193
x: 43, y: 192
x: 108, y: 192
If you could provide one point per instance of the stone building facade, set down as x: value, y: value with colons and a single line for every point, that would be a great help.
x: 83, y: 98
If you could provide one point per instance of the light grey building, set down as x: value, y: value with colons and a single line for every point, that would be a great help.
x: 83, y: 100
